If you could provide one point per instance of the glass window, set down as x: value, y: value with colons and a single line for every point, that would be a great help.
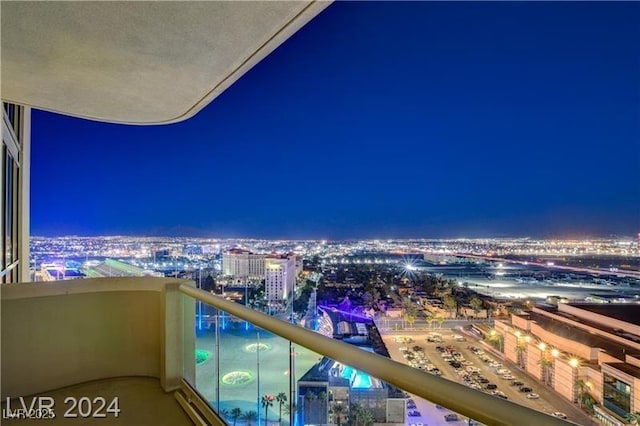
x: 616, y: 395
x: 8, y: 210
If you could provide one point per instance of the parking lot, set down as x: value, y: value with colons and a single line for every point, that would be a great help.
x: 462, y: 359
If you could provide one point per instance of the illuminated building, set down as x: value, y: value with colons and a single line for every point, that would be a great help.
x: 243, y: 266
x: 580, y: 349
x: 279, y: 276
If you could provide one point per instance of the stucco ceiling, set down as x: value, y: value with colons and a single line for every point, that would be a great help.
x: 137, y: 62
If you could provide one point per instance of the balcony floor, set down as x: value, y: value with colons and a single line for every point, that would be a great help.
x: 141, y: 401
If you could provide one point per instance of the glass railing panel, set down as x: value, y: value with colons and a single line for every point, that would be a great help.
x: 206, y: 361
x: 245, y: 372
x: 249, y: 363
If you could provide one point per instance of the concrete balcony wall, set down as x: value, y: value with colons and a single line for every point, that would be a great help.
x: 68, y: 332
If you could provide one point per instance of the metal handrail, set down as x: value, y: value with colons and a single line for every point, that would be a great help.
x: 477, y: 405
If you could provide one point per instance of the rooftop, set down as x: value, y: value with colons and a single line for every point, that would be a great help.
x: 575, y: 334
x: 631, y: 370
x: 622, y: 312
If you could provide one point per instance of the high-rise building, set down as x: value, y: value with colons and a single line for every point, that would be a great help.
x: 243, y: 266
x: 280, y: 276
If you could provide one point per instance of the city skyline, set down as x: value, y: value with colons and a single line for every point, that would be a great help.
x: 459, y: 119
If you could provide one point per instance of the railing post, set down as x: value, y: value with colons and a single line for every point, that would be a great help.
x: 178, y: 337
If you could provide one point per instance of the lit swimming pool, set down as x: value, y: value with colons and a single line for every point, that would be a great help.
x: 358, y: 379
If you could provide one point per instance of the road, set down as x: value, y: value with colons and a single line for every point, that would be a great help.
x: 619, y: 273
x: 420, y: 326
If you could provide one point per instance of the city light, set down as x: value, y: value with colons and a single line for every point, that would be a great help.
x: 542, y: 346
x: 555, y: 353
x: 574, y: 362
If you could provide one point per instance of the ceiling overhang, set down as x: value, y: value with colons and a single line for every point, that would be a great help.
x: 137, y: 62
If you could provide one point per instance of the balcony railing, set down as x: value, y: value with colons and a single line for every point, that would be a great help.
x: 237, y: 339
x: 72, y: 332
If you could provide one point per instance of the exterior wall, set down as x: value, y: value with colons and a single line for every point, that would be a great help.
x: 243, y: 265
x: 633, y: 360
x: 605, y: 357
x: 510, y: 343
x: 280, y: 277
x: 593, y: 378
x: 83, y: 330
x: 565, y: 378
x: 533, y: 357
x: 562, y: 343
x: 635, y: 395
x: 520, y: 322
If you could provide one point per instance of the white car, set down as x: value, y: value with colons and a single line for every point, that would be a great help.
x: 533, y: 396
x: 559, y: 415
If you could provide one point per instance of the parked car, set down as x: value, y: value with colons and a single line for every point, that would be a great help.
x: 525, y: 389
x: 499, y: 394
x: 491, y: 386
x: 533, y: 396
x: 559, y: 415
x: 451, y: 417
x: 517, y: 383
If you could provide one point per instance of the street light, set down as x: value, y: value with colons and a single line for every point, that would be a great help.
x: 542, y: 346
x: 555, y: 353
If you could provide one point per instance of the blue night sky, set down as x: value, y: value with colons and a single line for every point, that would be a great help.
x: 417, y: 119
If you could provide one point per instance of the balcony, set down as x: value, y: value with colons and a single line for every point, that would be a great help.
x: 136, y: 339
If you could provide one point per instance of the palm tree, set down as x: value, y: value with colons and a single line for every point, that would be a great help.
x: 291, y: 408
x: 476, y: 304
x: 235, y: 414
x: 249, y: 417
x: 308, y: 399
x: 223, y: 413
x: 360, y: 416
x: 580, y: 388
x: 322, y: 400
x: 281, y: 398
x: 338, y: 410
x: 410, y: 319
x: 546, y: 365
x: 520, y: 351
x: 267, y: 401
x: 451, y: 304
x: 429, y: 319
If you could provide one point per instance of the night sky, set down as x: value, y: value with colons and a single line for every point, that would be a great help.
x: 418, y: 119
